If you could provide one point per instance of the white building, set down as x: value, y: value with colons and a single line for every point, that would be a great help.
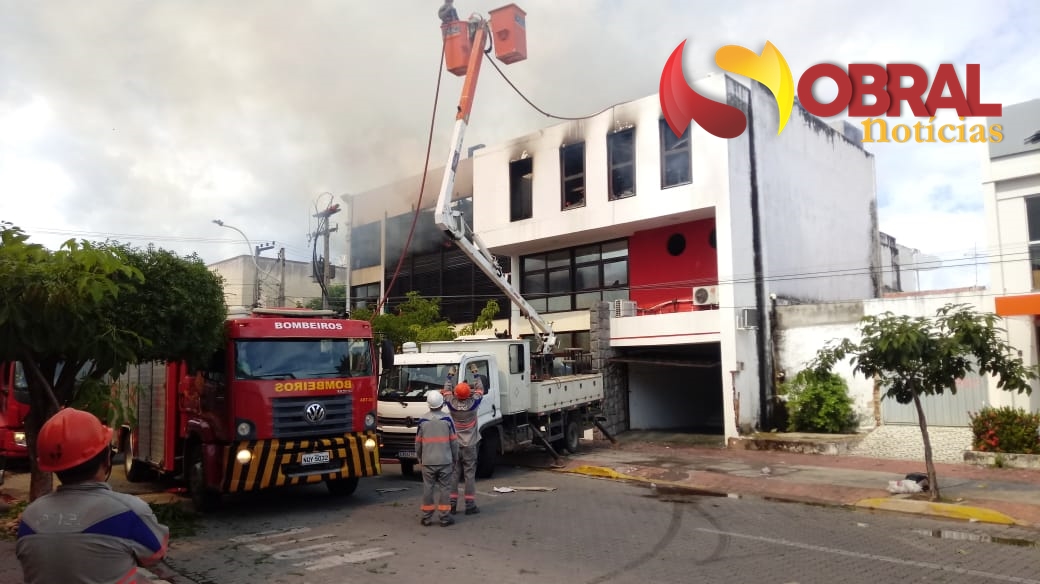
x: 1011, y: 181
x: 902, y: 266
x: 281, y: 282
x: 689, y: 240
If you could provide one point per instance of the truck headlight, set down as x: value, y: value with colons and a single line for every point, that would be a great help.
x: 244, y: 456
x: 245, y: 429
x: 370, y: 421
x: 19, y: 439
x: 370, y: 445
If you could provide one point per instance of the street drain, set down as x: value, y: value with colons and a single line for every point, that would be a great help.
x: 964, y: 536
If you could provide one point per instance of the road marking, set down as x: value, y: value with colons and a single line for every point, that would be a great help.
x: 314, y: 556
x: 873, y: 557
x: 269, y: 534
x: 351, y: 558
x: 262, y: 547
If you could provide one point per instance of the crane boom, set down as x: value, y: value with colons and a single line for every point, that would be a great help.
x: 452, y: 222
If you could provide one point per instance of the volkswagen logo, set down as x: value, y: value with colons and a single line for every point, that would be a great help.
x: 314, y: 412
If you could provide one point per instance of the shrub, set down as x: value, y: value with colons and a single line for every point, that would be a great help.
x: 819, y: 403
x: 1006, y: 429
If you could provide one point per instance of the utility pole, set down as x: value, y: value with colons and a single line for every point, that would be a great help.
x: 326, y: 276
x: 350, y: 260
x: 281, y: 281
x: 256, y: 266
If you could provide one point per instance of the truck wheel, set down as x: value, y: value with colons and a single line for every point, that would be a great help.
x: 571, y: 437
x: 203, y: 498
x: 407, y: 468
x: 487, y: 455
x: 342, y: 487
x: 135, y: 471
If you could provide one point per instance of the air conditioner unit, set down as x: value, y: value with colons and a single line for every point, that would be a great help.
x: 705, y: 295
x: 623, y: 308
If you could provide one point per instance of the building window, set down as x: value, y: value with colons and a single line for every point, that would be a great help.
x: 572, y: 173
x: 521, y: 193
x: 364, y: 296
x: 621, y: 158
x: 364, y: 245
x: 575, y: 278
x: 676, y: 164
x: 1033, y: 219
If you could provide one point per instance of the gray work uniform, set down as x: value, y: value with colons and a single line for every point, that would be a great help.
x: 437, y: 448
x: 464, y: 414
x: 86, y: 534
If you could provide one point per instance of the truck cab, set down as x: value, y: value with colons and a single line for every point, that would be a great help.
x: 14, y: 407
x: 402, y: 395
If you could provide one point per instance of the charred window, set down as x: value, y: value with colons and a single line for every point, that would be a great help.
x: 676, y: 162
x: 1033, y: 224
x: 521, y: 193
x: 621, y: 158
x: 572, y: 173
x: 364, y: 245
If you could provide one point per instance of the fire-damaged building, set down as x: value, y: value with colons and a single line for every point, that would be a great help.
x: 663, y: 255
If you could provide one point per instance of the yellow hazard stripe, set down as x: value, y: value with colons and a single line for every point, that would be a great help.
x: 276, y: 463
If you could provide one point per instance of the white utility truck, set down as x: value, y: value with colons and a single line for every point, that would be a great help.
x: 531, y: 396
x: 521, y: 405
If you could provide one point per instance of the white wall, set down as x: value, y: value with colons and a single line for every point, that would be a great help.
x: 817, y: 206
x: 804, y: 329
x: 491, y: 180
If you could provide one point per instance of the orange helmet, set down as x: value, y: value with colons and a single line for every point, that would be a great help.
x: 462, y: 390
x: 70, y: 438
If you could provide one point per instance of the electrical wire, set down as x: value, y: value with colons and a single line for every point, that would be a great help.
x: 531, y: 103
x: 422, y: 187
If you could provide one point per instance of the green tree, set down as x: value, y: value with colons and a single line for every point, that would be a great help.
x: 86, y: 309
x: 419, y: 320
x: 485, y: 320
x: 337, y: 298
x: 915, y: 356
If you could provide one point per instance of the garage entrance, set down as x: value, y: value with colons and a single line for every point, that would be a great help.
x: 675, y: 388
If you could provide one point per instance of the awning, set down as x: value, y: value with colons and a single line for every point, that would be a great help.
x: 1018, y: 305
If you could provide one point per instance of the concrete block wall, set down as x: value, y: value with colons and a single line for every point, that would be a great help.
x: 615, y: 375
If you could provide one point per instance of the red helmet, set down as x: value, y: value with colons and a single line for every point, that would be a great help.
x: 462, y: 390
x: 70, y: 438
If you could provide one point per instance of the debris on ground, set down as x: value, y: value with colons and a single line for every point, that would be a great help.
x: 514, y: 489
x: 903, y: 486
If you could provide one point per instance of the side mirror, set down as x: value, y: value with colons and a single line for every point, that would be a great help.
x: 386, y: 353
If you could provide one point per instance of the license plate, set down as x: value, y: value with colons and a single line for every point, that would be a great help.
x: 406, y: 454
x: 316, y: 458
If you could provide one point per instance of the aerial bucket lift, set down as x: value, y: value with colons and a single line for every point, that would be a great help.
x: 464, y: 43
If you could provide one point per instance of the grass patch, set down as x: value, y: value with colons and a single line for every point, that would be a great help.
x: 9, y: 520
x: 181, y: 521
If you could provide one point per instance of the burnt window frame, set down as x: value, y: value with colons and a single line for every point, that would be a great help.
x: 684, y: 152
x: 521, y: 204
x: 368, y: 253
x: 573, y: 178
x: 540, y: 276
x: 613, y: 165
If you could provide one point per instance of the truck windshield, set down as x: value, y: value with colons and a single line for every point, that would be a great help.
x: 411, y: 382
x: 302, y: 358
x: 21, y: 384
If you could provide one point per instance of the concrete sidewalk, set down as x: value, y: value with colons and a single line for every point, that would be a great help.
x: 994, y: 495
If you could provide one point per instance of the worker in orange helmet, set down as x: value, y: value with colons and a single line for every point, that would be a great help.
x: 463, y: 404
x: 84, y: 531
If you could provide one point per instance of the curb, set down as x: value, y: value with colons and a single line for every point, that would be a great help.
x: 947, y: 510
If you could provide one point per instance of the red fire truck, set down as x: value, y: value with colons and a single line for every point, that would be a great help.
x: 289, y: 400
x: 14, y: 406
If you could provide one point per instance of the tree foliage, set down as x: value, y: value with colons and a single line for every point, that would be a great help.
x: 912, y: 357
x: 84, y: 310
x: 819, y: 403
x: 337, y: 298
x: 419, y: 320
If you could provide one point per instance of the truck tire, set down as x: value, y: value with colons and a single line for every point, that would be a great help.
x: 135, y: 471
x: 407, y: 468
x: 203, y: 498
x: 571, y: 437
x: 487, y: 455
x: 342, y: 487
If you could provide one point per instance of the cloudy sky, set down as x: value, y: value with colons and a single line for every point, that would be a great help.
x: 145, y: 120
